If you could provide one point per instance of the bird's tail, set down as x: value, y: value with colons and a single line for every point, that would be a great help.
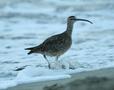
x: 32, y: 50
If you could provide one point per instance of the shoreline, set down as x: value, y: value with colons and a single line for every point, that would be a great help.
x: 105, y: 72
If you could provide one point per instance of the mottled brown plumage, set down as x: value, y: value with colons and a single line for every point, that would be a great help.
x: 58, y: 44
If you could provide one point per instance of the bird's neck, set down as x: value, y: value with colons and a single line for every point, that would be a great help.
x: 69, y: 28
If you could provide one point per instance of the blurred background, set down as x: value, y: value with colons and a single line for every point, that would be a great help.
x: 26, y: 23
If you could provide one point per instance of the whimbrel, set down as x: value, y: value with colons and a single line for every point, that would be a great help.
x: 58, y: 44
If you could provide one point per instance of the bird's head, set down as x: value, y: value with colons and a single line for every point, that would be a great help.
x: 72, y: 19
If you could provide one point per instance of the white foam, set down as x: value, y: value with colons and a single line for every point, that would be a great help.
x: 32, y: 74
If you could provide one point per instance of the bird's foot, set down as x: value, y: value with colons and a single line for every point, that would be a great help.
x: 56, y: 65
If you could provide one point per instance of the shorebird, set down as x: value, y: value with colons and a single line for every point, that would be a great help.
x: 58, y: 44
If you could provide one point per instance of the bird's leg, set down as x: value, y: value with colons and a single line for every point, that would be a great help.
x: 47, y: 61
x: 57, y: 58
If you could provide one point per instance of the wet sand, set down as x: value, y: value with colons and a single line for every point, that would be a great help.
x: 102, y: 79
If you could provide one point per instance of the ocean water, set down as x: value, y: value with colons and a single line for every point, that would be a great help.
x: 26, y: 23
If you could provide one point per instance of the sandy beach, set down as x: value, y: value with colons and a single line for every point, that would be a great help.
x: 102, y: 79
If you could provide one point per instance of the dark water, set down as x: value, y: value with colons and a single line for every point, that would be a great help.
x: 89, y: 83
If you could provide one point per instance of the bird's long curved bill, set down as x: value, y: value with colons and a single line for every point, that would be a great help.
x: 84, y: 20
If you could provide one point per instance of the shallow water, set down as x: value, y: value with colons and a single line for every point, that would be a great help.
x: 27, y: 23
